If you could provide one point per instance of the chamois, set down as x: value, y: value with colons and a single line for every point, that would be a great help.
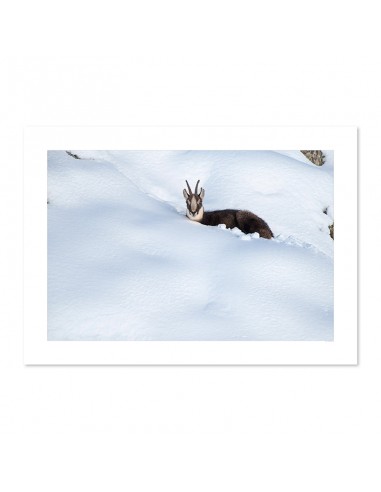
x: 246, y: 221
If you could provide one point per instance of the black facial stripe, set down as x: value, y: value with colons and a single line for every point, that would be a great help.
x: 198, y: 208
x: 198, y: 204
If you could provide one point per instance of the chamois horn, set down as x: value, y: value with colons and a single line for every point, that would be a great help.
x: 195, y: 191
x: 189, y: 188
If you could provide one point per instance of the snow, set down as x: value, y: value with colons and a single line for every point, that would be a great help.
x: 124, y: 263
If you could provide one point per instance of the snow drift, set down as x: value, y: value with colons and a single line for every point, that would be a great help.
x: 124, y: 263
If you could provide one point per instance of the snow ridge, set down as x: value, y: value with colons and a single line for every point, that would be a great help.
x: 124, y: 263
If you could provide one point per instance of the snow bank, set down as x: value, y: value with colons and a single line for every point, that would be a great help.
x: 124, y: 263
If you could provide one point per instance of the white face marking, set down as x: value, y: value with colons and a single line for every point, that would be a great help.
x: 198, y: 217
x: 193, y: 204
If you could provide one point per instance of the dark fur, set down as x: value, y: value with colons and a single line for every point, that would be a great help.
x: 246, y: 221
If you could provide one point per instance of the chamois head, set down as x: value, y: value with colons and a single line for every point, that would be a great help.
x: 195, y: 209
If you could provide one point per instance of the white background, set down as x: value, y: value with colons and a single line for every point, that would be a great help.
x: 37, y: 348
x: 189, y: 428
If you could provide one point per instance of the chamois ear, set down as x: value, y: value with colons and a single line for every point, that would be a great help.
x: 185, y: 194
x: 202, y: 193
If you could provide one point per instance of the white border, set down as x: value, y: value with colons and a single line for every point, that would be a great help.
x: 38, y: 140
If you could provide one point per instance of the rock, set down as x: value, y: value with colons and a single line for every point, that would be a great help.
x: 315, y: 156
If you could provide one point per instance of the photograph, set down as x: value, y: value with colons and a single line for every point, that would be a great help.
x: 191, y: 259
x: 190, y: 245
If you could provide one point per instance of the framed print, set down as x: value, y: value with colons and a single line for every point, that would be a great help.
x: 190, y: 245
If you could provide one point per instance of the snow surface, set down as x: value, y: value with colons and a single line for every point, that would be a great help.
x: 124, y: 263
